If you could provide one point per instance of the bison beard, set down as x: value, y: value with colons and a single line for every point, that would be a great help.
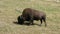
x: 30, y: 15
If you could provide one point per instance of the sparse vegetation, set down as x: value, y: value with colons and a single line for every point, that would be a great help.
x: 11, y: 9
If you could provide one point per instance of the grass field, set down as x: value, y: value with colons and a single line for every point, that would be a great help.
x: 11, y: 9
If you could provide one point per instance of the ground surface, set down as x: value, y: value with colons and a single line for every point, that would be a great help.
x: 11, y: 9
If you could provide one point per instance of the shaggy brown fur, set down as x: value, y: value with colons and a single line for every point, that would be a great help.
x: 29, y: 14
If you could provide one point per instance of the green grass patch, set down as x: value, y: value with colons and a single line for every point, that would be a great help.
x: 11, y: 9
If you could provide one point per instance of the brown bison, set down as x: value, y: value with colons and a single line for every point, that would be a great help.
x: 30, y: 15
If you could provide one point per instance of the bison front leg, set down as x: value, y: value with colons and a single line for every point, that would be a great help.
x: 40, y: 21
x: 45, y: 21
x: 31, y: 21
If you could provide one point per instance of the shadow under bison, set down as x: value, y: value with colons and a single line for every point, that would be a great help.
x: 30, y: 15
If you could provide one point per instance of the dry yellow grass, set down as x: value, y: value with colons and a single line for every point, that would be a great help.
x: 11, y: 9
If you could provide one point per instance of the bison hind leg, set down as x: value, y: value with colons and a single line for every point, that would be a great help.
x: 41, y: 21
x: 44, y: 19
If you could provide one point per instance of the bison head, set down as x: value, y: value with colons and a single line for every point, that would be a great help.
x: 20, y: 20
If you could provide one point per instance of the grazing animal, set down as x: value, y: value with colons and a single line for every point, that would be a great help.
x: 20, y: 20
x: 30, y: 15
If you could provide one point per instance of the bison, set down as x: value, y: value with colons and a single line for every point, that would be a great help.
x: 30, y: 15
x: 20, y: 20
